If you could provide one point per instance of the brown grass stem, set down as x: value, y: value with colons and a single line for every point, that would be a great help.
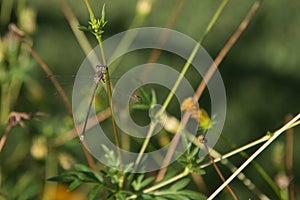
x: 45, y: 67
x: 56, y: 84
x: 219, y: 172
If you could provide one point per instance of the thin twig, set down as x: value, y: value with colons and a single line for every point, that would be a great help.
x: 44, y: 66
x: 253, y: 156
x: 153, y: 57
x: 15, y: 119
x: 238, y: 150
x: 242, y: 177
x: 218, y: 171
x: 4, y: 137
x: 56, y: 84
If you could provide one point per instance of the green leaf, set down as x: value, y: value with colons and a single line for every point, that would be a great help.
x: 94, y: 191
x: 136, y: 183
x: 146, y: 182
x: 81, y: 167
x: 180, y: 184
x: 175, y: 196
x: 128, y: 167
x: 66, y: 177
x: 153, y: 98
x: 193, y: 195
x: 89, y: 172
x: 194, y: 152
x: 148, y: 196
x: 139, y: 183
x: 74, y: 184
x: 84, y: 28
x: 144, y: 95
x: 103, y: 15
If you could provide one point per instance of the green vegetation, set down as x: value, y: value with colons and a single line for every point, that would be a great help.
x: 254, y: 43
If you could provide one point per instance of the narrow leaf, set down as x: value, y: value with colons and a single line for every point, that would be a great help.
x: 89, y: 172
x: 103, y: 14
x: 193, y: 195
x: 94, y: 191
x: 146, y: 182
x: 74, y: 184
x: 82, y: 168
x: 64, y: 178
x: 180, y: 184
x: 144, y: 95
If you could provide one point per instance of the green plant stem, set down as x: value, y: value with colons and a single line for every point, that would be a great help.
x: 254, y: 155
x: 184, y: 70
x: 109, y: 92
x: 145, y: 144
x: 248, y: 183
x: 88, y: 6
x: 295, y: 124
x: 219, y: 157
x: 152, y: 58
x: 193, y: 54
x: 256, y: 165
x: 238, y: 150
x: 185, y: 172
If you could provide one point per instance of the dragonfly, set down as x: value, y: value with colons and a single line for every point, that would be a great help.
x: 97, y: 78
x: 67, y: 80
x: 100, y: 69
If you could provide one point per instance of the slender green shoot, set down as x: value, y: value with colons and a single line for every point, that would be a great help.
x: 96, y: 28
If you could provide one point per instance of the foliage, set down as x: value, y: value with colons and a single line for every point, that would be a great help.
x: 107, y: 181
x: 39, y: 151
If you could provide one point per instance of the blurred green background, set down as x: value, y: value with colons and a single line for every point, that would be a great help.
x: 260, y: 73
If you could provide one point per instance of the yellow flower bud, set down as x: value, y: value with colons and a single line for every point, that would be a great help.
x: 204, y: 120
